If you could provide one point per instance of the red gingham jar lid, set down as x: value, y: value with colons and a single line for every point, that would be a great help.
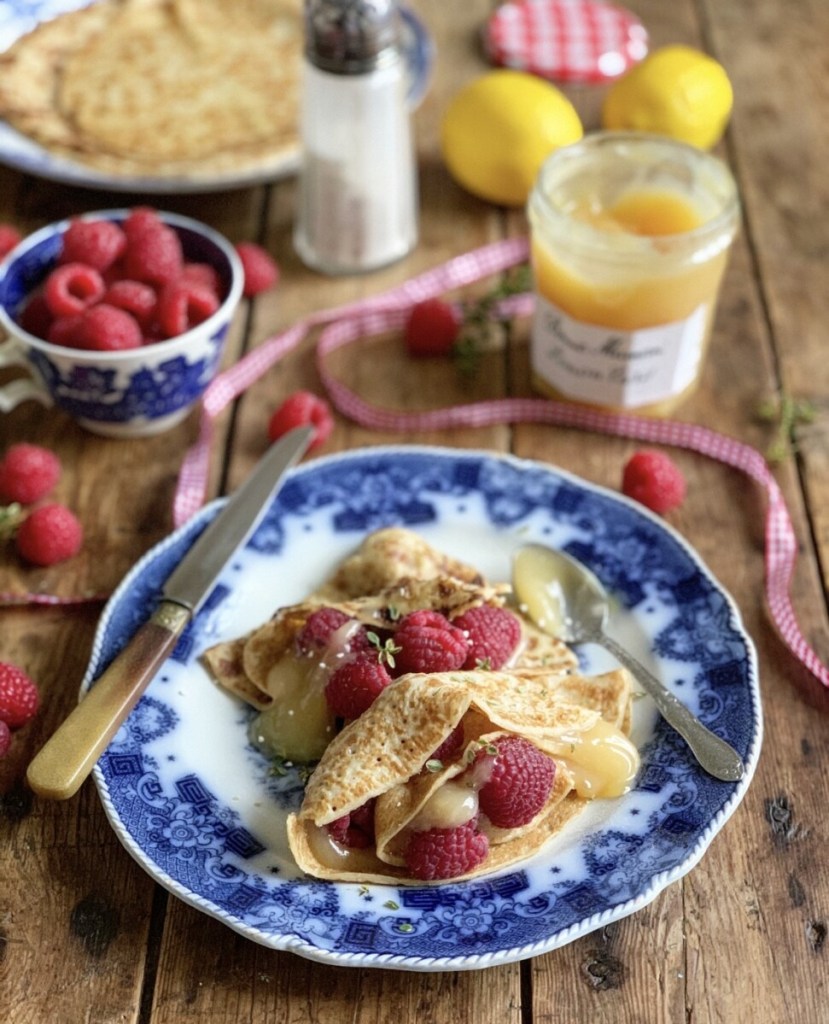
x: 567, y: 40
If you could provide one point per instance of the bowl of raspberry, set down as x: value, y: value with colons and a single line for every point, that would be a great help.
x: 119, y: 317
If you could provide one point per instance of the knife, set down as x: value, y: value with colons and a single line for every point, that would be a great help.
x: 66, y: 759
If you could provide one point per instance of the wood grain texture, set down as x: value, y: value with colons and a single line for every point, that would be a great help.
x: 86, y: 936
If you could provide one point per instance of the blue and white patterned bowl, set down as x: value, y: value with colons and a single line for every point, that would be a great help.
x: 132, y: 393
x: 202, y: 811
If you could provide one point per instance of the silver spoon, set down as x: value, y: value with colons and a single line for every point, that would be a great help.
x: 566, y: 600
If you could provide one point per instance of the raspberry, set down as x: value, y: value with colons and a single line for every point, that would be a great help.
x: 28, y: 473
x: 653, y: 479
x: 202, y: 274
x: 431, y: 329
x: 451, y: 746
x: 519, y: 783
x: 353, y: 688
x: 261, y: 271
x: 95, y: 243
x: 153, y: 254
x: 139, y: 220
x: 5, y: 739
x: 355, y: 830
x: 48, y: 535
x: 298, y: 409
x: 446, y: 852
x: 9, y: 238
x: 105, y: 328
x: 72, y: 287
x: 134, y: 297
x: 318, y: 629
x: 66, y: 331
x: 428, y: 642
x: 35, y: 316
x: 182, y: 306
x: 493, y: 633
x: 19, y: 699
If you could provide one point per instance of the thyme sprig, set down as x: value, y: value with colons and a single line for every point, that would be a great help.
x: 480, y: 324
x: 788, y: 413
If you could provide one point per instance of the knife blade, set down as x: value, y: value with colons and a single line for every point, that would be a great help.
x: 67, y: 758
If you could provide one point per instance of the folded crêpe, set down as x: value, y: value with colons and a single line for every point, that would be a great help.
x: 393, y: 571
x: 161, y: 87
x: 385, y: 754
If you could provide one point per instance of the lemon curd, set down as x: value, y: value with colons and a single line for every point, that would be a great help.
x: 630, y: 239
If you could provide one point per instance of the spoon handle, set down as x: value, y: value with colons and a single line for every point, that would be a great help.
x: 714, y: 754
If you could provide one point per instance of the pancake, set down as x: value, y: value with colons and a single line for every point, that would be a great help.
x: 165, y: 88
x: 394, y: 571
x: 385, y: 756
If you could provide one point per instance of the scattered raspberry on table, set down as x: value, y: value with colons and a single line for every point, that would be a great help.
x: 49, y: 534
x: 261, y: 270
x: 431, y: 329
x: 300, y: 409
x: 654, y: 480
x: 28, y: 473
x: 19, y: 698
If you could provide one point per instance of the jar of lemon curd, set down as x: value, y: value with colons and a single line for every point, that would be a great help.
x: 630, y: 236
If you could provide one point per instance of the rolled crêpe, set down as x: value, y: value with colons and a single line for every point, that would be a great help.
x: 386, y: 755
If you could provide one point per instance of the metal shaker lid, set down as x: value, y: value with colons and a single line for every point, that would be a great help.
x: 351, y: 37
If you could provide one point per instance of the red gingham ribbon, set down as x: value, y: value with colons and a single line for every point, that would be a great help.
x: 388, y: 311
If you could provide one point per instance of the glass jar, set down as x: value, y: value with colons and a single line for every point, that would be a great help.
x: 630, y: 235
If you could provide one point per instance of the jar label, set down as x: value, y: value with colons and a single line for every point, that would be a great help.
x: 606, y: 366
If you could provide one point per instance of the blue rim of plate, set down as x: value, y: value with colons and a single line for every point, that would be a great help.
x: 590, y: 876
x: 17, y: 17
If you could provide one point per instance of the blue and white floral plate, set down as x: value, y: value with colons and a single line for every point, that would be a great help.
x: 17, y: 17
x: 204, y: 814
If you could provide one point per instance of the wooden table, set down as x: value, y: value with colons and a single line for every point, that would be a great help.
x: 85, y: 935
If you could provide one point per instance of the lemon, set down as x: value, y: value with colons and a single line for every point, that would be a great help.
x: 499, y: 128
x: 675, y: 91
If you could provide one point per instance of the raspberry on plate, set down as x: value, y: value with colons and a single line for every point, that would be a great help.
x: 318, y: 629
x: 354, y: 687
x: 446, y: 852
x: 451, y: 746
x: 50, y: 534
x: 299, y: 409
x: 652, y: 478
x: 28, y: 473
x: 519, y: 783
x: 428, y: 642
x: 355, y: 830
x: 261, y: 270
x: 19, y: 699
x: 96, y: 243
x: 493, y: 634
x: 431, y: 329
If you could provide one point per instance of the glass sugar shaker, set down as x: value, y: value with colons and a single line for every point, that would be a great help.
x: 358, y: 183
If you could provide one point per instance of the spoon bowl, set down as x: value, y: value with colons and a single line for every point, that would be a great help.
x: 565, y: 599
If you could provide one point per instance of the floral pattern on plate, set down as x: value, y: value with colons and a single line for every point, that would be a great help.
x: 204, y: 812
